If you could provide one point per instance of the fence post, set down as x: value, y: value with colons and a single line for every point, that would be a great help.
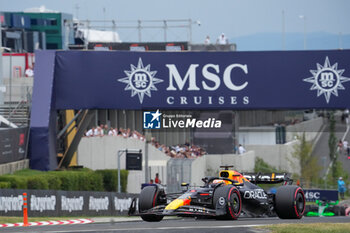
x: 25, y: 210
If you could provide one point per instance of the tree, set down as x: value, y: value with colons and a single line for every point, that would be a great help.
x: 337, y: 171
x: 332, y: 141
x: 309, y: 168
x: 337, y: 168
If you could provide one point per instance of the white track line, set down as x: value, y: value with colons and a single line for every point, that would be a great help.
x: 162, y: 228
x: 46, y: 223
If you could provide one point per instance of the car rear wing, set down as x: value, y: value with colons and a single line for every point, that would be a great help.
x: 268, y: 178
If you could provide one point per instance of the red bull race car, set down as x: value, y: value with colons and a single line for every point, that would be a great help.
x: 223, y: 197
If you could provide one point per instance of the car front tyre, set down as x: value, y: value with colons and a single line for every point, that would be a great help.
x: 148, y: 199
x: 290, y: 202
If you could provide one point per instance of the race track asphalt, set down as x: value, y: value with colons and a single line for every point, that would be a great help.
x: 174, y: 226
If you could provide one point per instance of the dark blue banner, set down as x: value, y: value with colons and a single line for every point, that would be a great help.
x: 320, y: 194
x: 180, y: 80
x: 202, y: 80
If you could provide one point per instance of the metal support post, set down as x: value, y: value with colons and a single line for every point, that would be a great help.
x: 190, y: 30
x: 86, y: 40
x: 165, y: 28
x: 139, y: 29
x: 148, y: 136
x: 67, y: 126
x: 2, y: 91
x: 114, y: 29
x: 68, y: 154
x: 120, y: 153
x: 11, y: 79
x: 283, y: 31
x: 146, y: 162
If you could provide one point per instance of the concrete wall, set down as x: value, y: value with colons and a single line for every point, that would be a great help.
x: 267, y: 117
x: 310, y: 127
x: 101, y: 153
x: 279, y: 156
x: 257, y: 135
x: 266, y: 135
x: 9, y: 168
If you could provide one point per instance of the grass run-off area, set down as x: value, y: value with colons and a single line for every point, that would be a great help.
x: 309, y: 228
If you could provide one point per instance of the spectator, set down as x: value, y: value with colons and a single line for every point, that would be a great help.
x: 151, y: 181
x: 241, y: 149
x: 222, y: 39
x: 29, y: 72
x: 341, y: 187
x: 135, y: 134
x: 116, y: 131
x: 90, y: 132
x: 157, y: 180
x: 340, y: 146
x: 105, y: 130
x: 126, y: 133
x: 172, y: 153
x: 98, y: 132
x: 112, y: 132
x: 120, y: 132
x: 177, y: 151
x: 177, y: 148
x: 142, y: 137
x: 207, y: 40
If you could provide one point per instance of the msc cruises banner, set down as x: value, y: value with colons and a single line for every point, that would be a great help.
x: 202, y: 80
x: 179, y: 80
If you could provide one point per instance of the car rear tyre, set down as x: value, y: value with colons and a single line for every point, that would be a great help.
x: 233, y: 201
x: 290, y: 202
x: 149, y: 197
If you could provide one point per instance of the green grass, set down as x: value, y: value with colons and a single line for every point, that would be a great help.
x: 27, y: 172
x: 309, y: 228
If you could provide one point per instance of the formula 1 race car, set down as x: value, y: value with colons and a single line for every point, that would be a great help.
x: 223, y: 197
